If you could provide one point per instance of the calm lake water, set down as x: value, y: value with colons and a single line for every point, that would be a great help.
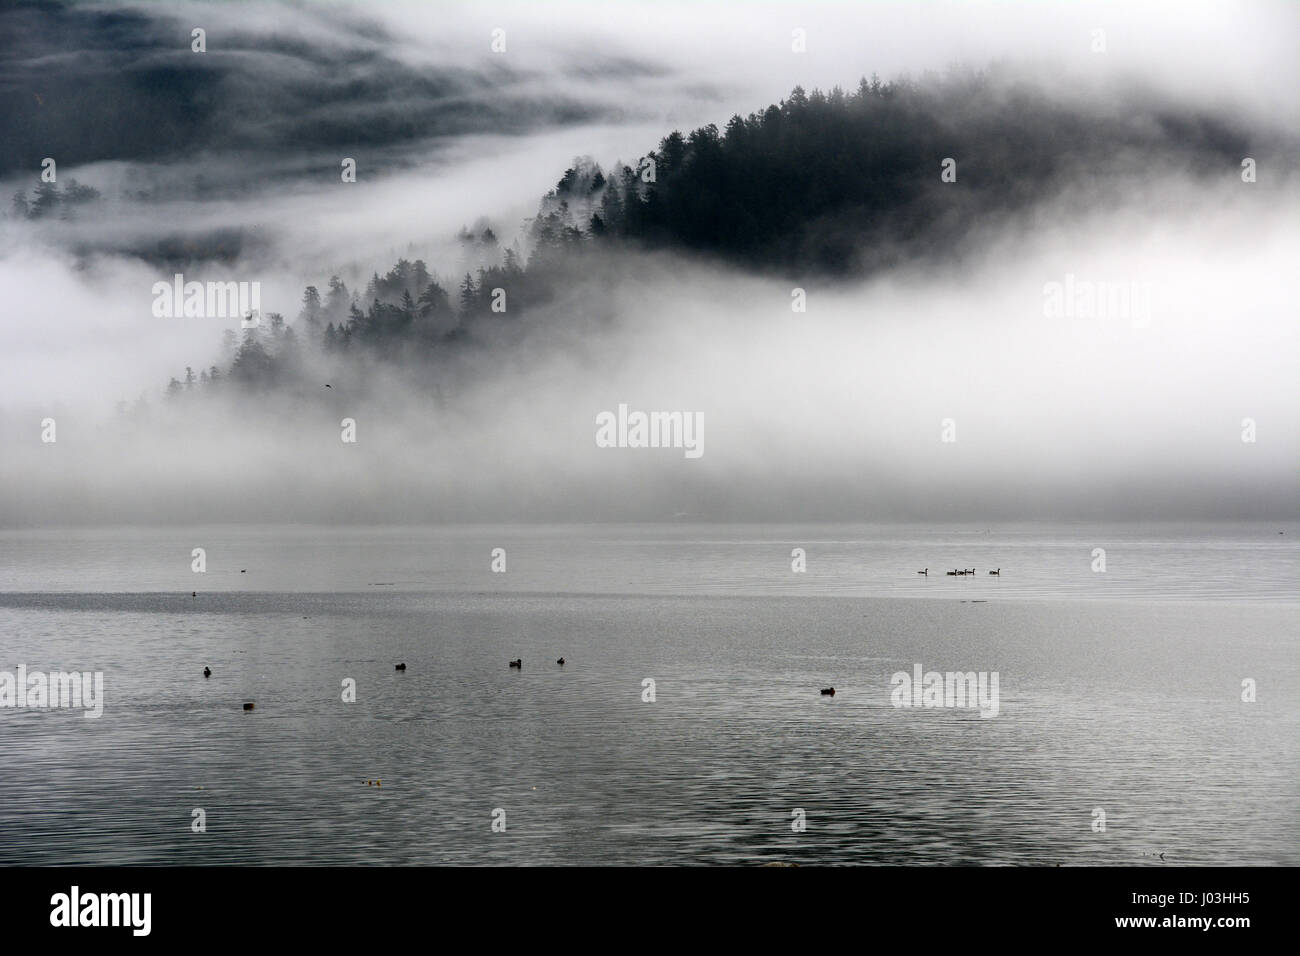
x: 1119, y: 691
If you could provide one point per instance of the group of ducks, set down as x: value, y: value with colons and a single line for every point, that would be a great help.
x: 517, y: 662
x: 955, y: 571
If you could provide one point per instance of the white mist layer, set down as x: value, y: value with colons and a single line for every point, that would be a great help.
x: 841, y: 411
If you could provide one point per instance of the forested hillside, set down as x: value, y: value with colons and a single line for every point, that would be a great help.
x: 826, y: 185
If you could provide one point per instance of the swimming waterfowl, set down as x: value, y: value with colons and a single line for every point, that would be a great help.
x: 400, y: 667
x: 206, y: 672
x: 828, y: 691
x: 950, y: 573
x: 248, y: 706
x: 997, y: 572
x: 518, y: 662
x: 926, y: 572
x: 560, y: 661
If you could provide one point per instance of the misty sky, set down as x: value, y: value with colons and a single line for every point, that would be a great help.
x: 836, y: 412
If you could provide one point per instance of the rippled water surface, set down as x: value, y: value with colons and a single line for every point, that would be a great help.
x: 1119, y: 691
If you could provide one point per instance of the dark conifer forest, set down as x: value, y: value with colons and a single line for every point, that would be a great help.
x: 822, y: 186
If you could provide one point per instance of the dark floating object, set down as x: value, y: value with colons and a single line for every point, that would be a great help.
x: 248, y: 706
x: 207, y: 672
x: 194, y: 594
x: 560, y: 662
x: 950, y: 573
x: 518, y: 662
x: 828, y: 691
x: 926, y: 572
x: 998, y: 572
x: 243, y: 570
x: 327, y: 385
x: 400, y: 667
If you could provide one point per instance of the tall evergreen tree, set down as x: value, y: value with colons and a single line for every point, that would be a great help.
x: 468, y: 294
